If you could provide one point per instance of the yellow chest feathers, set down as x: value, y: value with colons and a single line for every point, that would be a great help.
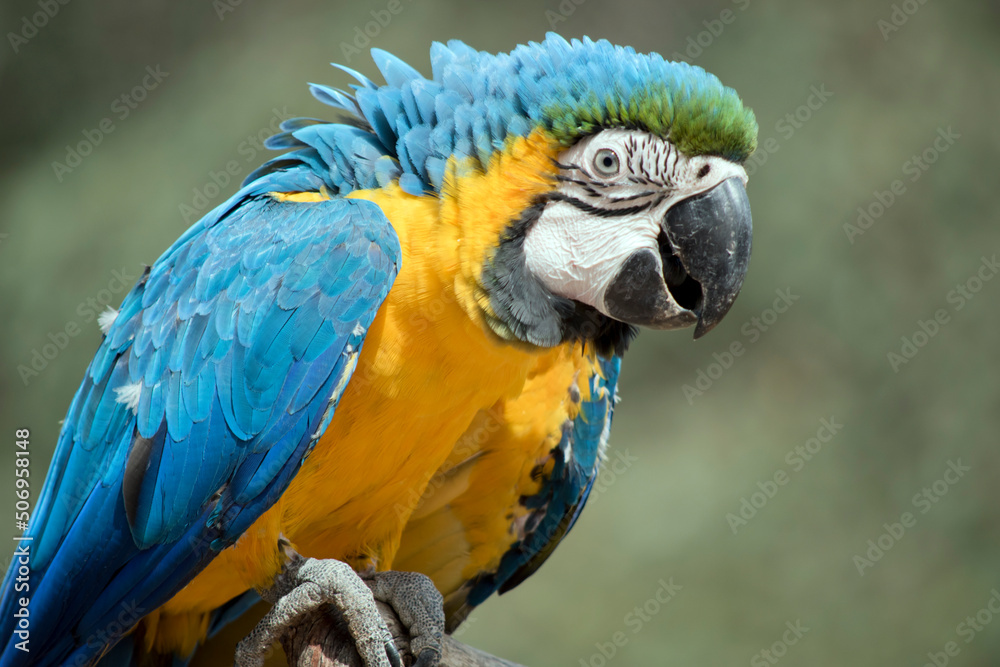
x: 429, y: 363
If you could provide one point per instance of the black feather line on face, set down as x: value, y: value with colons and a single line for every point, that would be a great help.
x: 567, y: 179
x: 596, y: 210
x: 638, y: 195
x: 527, y: 309
x: 566, y: 167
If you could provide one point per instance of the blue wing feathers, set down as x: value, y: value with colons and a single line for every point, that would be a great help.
x: 232, y: 344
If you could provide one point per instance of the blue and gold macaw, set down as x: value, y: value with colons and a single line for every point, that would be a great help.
x: 396, y: 346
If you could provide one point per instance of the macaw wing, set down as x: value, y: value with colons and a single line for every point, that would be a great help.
x: 223, y: 366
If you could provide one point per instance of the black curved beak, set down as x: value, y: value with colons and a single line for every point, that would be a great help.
x: 711, y: 235
x: 704, y: 250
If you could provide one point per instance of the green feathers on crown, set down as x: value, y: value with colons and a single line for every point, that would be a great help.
x: 691, y: 108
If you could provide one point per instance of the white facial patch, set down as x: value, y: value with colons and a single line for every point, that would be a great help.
x: 615, y: 188
x: 576, y: 254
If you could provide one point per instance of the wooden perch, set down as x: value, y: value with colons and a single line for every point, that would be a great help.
x: 322, y: 640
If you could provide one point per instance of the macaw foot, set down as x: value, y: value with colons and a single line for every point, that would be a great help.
x: 305, y: 585
x: 420, y: 608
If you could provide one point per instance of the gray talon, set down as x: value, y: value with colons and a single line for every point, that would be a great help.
x: 420, y: 608
x: 305, y: 585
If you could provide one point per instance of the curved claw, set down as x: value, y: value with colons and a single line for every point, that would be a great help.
x: 319, y: 582
x: 393, y: 654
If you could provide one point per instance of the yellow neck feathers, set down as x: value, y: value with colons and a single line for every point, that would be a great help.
x: 451, y: 236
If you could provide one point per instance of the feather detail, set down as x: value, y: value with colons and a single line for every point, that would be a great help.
x: 129, y: 395
x: 475, y: 102
x: 106, y: 319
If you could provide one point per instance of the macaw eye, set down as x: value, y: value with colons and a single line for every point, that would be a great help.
x: 606, y: 162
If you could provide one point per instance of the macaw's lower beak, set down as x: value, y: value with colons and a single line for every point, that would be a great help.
x: 703, y: 257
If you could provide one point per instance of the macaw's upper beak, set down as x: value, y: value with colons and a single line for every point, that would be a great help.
x: 704, y: 254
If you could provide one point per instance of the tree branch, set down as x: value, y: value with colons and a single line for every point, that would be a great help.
x: 322, y: 640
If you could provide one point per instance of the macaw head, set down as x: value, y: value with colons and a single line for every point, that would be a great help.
x: 596, y: 189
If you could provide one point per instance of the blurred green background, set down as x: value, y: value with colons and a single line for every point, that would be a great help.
x: 879, y: 96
